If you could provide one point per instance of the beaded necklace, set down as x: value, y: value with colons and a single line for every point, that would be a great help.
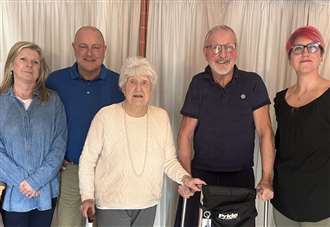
x: 138, y: 174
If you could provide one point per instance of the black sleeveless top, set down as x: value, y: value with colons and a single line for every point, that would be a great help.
x: 302, y: 163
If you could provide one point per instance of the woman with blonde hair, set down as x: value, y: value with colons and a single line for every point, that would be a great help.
x: 128, y: 149
x: 32, y: 139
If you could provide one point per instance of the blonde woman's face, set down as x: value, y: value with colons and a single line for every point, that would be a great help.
x: 26, y: 66
x: 137, y: 90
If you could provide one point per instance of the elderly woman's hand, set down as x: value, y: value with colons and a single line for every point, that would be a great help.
x: 194, y: 184
x: 185, y: 192
x: 87, y: 209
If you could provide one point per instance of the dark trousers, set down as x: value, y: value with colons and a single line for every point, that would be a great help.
x: 243, y: 178
x: 32, y: 218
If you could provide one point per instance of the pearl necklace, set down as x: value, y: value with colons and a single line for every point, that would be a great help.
x: 138, y: 174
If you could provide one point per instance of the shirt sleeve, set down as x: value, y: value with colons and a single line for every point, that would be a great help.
x: 10, y: 172
x: 260, y: 94
x: 172, y: 166
x: 89, y: 157
x: 53, y: 160
x: 192, y: 103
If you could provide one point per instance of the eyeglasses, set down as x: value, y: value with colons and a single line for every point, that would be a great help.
x: 311, y: 48
x: 217, y: 48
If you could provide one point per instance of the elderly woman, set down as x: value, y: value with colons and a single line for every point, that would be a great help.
x: 32, y: 139
x: 302, y: 165
x: 128, y: 149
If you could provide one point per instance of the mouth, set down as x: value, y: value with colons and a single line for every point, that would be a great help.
x: 305, y: 61
x: 223, y: 61
x: 137, y: 96
x: 89, y: 60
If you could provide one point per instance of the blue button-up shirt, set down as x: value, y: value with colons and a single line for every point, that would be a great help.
x: 82, y: 99
x: 32, y: 147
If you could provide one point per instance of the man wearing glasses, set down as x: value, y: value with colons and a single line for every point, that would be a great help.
x: 222, y: 109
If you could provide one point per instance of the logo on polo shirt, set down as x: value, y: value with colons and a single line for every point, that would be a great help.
x: 243, y: 96
x: 228, y: 216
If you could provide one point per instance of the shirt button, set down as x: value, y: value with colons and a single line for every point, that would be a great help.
x: 88, y: 92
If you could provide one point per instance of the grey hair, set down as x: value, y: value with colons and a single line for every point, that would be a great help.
x: 218, y: 28
x: 137, y: 66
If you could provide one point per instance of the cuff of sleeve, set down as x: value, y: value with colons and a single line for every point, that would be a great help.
x: 33, y: 183
x: 180, y: 178
x: 86, y: 196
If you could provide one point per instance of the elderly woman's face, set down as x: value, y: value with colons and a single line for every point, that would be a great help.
x: 137, y: 90
x: 305, y: 56
x: 26, y: 66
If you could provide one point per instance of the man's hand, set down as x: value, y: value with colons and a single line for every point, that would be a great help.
x: 265, y: 190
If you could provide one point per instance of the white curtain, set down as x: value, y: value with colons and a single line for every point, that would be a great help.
x: 176, y: 31
x: 53, y: 23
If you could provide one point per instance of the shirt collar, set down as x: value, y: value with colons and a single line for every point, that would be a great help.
x: 10, y: 92
x: 76, y: 76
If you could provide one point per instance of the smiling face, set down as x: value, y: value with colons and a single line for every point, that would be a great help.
x: 26, y: 67
x: 89, y: 49
x: 221, y: 61
x: 305, y: 62
x: 137, y: 90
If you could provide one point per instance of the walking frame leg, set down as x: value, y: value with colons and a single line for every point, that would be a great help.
x: 184, y: 206
x: 266, y: 206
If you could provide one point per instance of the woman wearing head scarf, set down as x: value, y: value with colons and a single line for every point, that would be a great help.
x: 302, y: 164
x: 32, y: 139
x: 128, y: 149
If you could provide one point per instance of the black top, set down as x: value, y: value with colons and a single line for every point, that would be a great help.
x: 224, y: 136
x: 302, y: 164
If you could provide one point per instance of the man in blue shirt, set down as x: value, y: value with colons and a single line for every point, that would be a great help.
x: 224, y: 106
x: 84, y: 88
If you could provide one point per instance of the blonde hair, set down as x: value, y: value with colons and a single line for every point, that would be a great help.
x: 8, y: 77
x: 137, y: 66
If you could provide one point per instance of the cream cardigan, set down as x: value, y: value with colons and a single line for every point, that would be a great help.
x: 106, y: 172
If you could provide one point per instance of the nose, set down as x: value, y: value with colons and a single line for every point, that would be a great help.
x: 138, y: 87
x: 89, y: 51
x: 29, y: 63
x: 305, y: 51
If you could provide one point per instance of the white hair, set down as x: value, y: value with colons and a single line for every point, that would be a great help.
x: 137, y: 66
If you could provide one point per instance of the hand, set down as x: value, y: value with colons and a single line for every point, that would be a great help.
x: 27, y: 190
x: 194, y: 184
x: 265, y: 190
x: 64, y: 164
x: 87, y: 209
x: 185, y: 191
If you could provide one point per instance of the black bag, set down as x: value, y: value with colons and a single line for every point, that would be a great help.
x: 228, y: 206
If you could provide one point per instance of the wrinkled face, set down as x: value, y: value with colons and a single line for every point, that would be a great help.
x: 89, y: 50
x: 220, y: 52
x: 26, y: 66
x: 137, y: 90
x: 305, y: 56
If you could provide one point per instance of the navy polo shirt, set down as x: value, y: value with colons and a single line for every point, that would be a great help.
x: 225, y: 132
x: 82, y: 99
